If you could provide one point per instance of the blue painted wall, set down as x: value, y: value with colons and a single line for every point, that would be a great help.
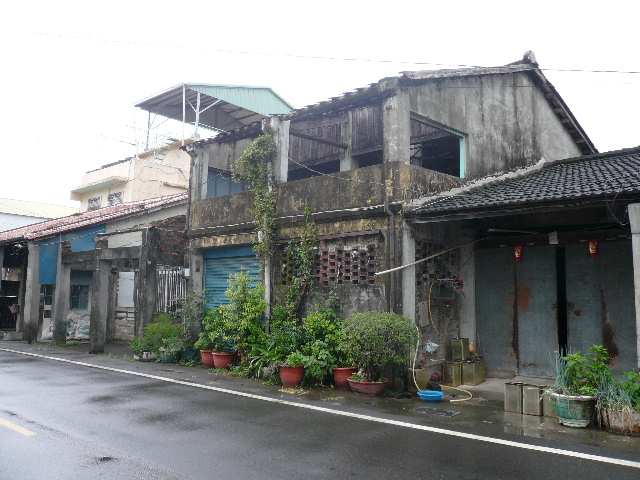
x: 81, y: 241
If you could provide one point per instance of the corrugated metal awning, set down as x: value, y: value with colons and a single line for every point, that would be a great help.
x: 217, y: 107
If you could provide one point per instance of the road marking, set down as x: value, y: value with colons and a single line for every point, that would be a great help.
x: 16, y: 428
x: 333, y: 411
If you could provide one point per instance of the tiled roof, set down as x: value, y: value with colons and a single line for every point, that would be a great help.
x: 94, y: 217
x: 386, y: 87
x: 587, y: 177
x: 34, y: 209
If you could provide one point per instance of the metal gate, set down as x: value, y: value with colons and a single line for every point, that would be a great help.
x: 171, y: 283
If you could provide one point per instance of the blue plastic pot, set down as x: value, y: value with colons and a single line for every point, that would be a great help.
x: 430, y: 395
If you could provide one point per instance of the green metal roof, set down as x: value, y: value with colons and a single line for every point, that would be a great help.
x: 222, y: 107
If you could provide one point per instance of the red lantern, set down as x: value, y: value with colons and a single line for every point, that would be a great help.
x: 593, y: 248
x: 518, y: 253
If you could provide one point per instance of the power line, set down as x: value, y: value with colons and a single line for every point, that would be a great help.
x: 320, y: 57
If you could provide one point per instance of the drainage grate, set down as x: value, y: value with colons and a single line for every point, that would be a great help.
x: 437, y: 411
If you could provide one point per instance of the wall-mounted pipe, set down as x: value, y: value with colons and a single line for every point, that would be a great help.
x: 392, y: 254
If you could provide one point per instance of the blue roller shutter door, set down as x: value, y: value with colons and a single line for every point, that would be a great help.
x: 219, y: 263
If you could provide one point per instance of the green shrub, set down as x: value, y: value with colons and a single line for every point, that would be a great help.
x: 373, y: 339
x: 160, y: 329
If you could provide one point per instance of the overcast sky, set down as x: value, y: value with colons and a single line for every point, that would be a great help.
x: 72, y: 71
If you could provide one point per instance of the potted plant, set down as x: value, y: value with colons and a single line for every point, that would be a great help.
x: 222, y: 332
x: 372, y: 340
x: 142, y: 350
x: 576, y: 386
x: 171, y: 349
x: 153, y: 336
x: 619, y: 405
x: 189, y: 312
x: 205, y: 345
x: 292, y: 370
x: 321, y: 331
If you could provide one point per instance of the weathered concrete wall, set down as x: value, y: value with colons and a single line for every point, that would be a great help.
x: 364, y: 187
x: 507, y: 119
x: 351, y: 299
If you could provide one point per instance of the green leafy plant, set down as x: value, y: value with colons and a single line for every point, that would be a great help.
x: 322, y: 342
x: 160, y: 329
x: 204, y: 342
x: 140, y: 345
x: 301, y: 254
x: 373, y: 339
x: 242, y: 319
x: 190, y: 311
x: 295, y: 359
x: 578, y: 374
x: 173, y: 345
x: 621, y: 394
x: 254, y: 167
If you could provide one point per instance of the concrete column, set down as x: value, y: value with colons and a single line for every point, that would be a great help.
x: 196, y: 271
x: 99, y: 307
x: 61, y: 301
x: 203, y: 172
x: 347, y: 162
x: 279, y: 129
x: 30, y: 310
x: 146, y: 282
x: 468, y: 302
x: 396, y: 128
x: 111, y: 305
x: 408, y: 273
x: 634, y: 219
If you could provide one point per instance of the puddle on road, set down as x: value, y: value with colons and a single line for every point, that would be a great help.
x: 437, y: 411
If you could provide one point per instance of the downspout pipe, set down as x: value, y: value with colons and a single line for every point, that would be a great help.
x: 392, y: 255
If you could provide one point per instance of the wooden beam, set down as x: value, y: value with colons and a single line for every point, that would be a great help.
x: 333, y: 143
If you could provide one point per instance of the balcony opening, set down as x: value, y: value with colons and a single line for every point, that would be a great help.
x: 437, y: 147
x: 368, y: 159
x: 301, y: 172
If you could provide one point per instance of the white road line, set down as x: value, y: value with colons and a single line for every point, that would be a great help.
x: 442, y: 431
x: 16, y: 428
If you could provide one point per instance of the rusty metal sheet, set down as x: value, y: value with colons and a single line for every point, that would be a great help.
x: 495, y: 275
x: 584, y: 307
x: 536, y: 311
x: 600, y: 301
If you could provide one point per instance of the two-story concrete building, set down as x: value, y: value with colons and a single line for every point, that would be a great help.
x: 356, y: 161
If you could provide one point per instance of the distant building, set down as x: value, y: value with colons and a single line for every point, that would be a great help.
x: 155, y: 173
x: 18, y: 213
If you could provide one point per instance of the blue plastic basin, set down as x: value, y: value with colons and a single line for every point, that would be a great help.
x: 430, y: 395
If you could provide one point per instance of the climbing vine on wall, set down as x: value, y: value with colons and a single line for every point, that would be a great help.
x: 255, y: 168
x: 302, y: 254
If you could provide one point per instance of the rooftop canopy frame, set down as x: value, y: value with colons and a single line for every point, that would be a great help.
x: 215, y: 107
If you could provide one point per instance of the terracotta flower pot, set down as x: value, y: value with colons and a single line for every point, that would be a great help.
x: 291, y: 377
x: 368, y: 388
x: 223, y: 359
x: 341, y: 376
x: 207, y: 358
x: 624, y: 422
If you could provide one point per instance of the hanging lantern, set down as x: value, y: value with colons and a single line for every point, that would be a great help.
x: 518, y: 253
x: 593, y: 248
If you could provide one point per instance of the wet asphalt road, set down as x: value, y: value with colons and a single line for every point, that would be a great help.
x: 90, y: 423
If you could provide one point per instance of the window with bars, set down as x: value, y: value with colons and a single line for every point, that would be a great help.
x: 114, y: 198
x: 79, y: 299
x: 94, y: 203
